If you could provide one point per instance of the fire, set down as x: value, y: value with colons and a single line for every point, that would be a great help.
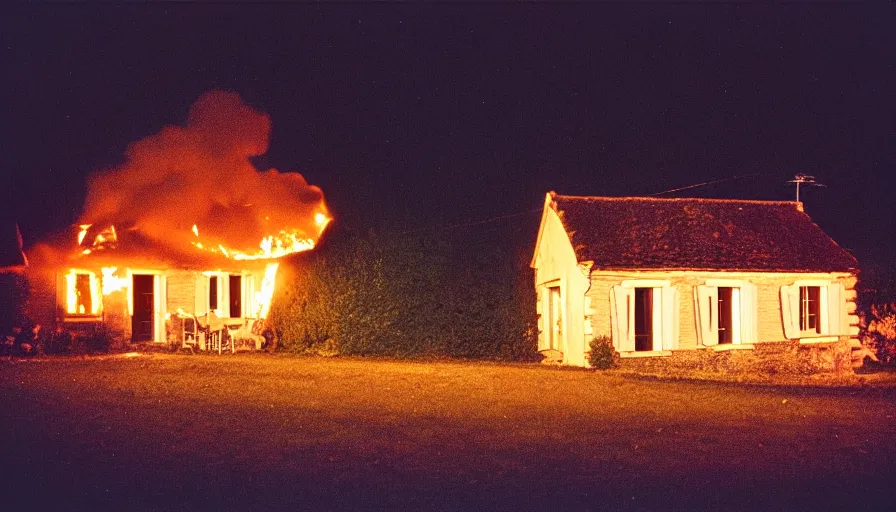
x: 263, y: 297
x: 113, y: 283
x: 81, y: 297
x: 106, y: 238
x: 188, y: 190
x: 271, y: 246
x: 83, y: 232
x: 203, y: 173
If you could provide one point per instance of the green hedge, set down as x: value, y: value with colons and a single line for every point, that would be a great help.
x: 458, y: 294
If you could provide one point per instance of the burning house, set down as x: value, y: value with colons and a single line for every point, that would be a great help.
x: 181, y: 242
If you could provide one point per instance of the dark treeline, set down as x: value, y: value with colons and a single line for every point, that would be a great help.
x: 463, y: 291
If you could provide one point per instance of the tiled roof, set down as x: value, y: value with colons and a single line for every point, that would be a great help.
x: 713, y: 234
x: 11, y: 255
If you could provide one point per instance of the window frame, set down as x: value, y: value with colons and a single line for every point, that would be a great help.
x: 665, y: 316
x: 70, y: 302
x: 832, y: 310
x: 744, y: 312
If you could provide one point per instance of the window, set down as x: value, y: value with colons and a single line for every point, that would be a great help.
x: 810, y: 309
x: 813, y: 308
x: 83, y: 299
x: 644, y: 316
x: 82, y: 293
x: 726, y: 312
x: 213, y: 292
x: 643, y: 319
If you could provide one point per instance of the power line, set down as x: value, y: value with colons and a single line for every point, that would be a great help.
x: 471, y: 223
x: 704, y: 184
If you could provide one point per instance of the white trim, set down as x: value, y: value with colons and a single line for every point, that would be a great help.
x: 726, y: 283
x: 812, y: 282
x: 725, y: 347
x: 651, y: 353
x: 819, y: 340
x: 646, y: 283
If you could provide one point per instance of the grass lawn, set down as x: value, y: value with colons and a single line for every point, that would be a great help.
x: 261, y: 432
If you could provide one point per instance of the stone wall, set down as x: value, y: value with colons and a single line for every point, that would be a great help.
x: 764, y: 359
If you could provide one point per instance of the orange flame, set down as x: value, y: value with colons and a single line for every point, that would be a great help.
x: 111, y: 282
x: 72, y: 293
x: 263, y: 297
x: 203, y: 171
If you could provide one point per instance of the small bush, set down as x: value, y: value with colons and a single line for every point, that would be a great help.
x: 100, y: 340
x: 603, y: 355
x: 879, y: 331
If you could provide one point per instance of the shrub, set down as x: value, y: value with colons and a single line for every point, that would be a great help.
x: 459, y: 294
x: 603, y: 355
x: 879, y: 331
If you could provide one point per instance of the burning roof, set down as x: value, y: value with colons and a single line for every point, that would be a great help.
x: 192, y: 190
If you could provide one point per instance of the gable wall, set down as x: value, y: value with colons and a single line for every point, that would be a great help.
x: 555, y: 265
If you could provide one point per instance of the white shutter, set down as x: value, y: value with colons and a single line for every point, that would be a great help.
x: 224, y: 295
x: 707, y: 323
x: 160, y: 293
x: 200, y: 303
x: 749, y: 320
x: 621, y: 303
x: 248, y: 296
x: 836, y: 309
x: 670, y: 317
x: 790, y: 311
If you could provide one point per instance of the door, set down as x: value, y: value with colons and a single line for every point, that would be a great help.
x: 236, y: 294
x: 143, y: 300
x: 555, y: 319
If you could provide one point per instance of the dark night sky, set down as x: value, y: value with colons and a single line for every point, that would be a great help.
x: 424, y: 115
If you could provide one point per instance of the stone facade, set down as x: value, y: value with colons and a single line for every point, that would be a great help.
x: 789, y: 358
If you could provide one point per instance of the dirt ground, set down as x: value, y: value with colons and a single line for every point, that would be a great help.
x: 260, y: 432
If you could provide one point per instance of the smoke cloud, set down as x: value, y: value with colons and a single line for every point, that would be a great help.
x: 201, y: 174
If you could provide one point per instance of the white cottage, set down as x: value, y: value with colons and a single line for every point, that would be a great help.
x: 669, y: 276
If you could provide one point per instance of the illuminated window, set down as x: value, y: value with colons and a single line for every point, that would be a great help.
x: 82, y: 293
x: 810, y: 309
x: 83, y: 300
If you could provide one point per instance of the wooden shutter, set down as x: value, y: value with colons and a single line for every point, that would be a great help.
x: 790, y: 311
x: 670, y: 317
x: 749, y: 319
x: 200, y: 303
x: 836, y: 309
x: 707, y: 321
x: 621, y: 305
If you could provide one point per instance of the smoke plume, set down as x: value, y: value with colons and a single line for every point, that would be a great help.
x: 200, y: 174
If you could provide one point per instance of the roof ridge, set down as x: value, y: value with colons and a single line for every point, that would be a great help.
x: 675, y: 199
